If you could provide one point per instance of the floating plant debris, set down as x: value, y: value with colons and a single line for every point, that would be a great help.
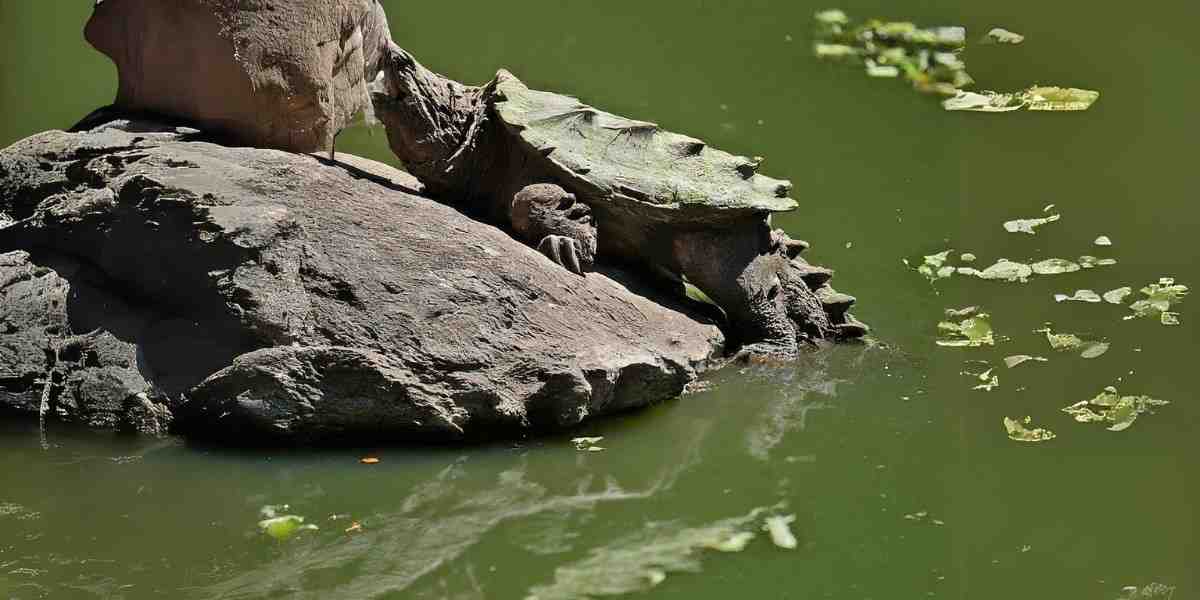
x: 930, y: 59
x: 961, y: 313
x: 1028, y: 225
x: 1153, y: 591
x: 1038, y: 98
x: 1110, y: 407
x: 1088, y: 296
x: 1018, y: 431
x: 1160, y: 297
x: 999, y: 35
x: 1094, y: 349
x: 971, y: 332
x: 934, y: 266
x: 1006, y: 270
x: 1020, y: 359
x: 1118, y: 295
x: 1103, y: 240
x: 1054, y: 266
x: 588, y: 444
x: 779, y: 527
x: 279, y: 526
x: 1091, y: 262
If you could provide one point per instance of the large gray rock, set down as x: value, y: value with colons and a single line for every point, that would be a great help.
x: 280, y: 297
x: 53, y: 363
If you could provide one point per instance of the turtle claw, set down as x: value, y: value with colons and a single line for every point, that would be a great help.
x: 563, y: 250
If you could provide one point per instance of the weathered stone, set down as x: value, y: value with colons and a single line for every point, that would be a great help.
x: 288, y: 298
x: 286, y: 74
x: 54, y: 363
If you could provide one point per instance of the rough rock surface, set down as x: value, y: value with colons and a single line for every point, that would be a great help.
x: 52, y: 359
x: 281, y: 297
x: 285, y: 74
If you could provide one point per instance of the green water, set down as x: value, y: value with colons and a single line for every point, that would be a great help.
x: 852, y: 440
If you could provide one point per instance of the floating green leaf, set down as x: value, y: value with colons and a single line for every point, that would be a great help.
x: 1054, y: 266
x: 1153, y: 591
x: 1047, y: 98
x: 961, y: 313
x: 1006, y: 270
x: 1160, y: 297
x: 934, y: 266
x: 971, y: 332
x: 1110, y: 407
x: 1118, y: 295
x: 284, y: 527
x: 1080, y: 296
x: 982, y: 102
x: 832, y: 17
x: 1062, y: 341
x: 779, y: 527
x: 1094, y: 349
x: 1038, y: 98
x: 1091, y: 262
x: 1020, y: 359
x: 1028, y: 225
x: 1018, y: 432
x: 1003, y: 36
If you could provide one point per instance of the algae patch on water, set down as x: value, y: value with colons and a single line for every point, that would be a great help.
x: 972, y: 332
x: 1019, y: 431
x: 1160, y: 298
x: 1110, y: 407
x: 930, y: 59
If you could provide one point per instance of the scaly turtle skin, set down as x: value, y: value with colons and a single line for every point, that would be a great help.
x: 584, y: 185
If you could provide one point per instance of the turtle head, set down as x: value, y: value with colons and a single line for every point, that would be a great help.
x: 430, y: 119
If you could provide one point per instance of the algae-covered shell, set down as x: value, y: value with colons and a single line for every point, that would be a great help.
x: 607, y: 158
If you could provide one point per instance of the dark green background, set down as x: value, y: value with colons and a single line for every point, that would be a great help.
x: 881, y: 173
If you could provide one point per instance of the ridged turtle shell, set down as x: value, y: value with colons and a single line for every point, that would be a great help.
x: 634, y: 163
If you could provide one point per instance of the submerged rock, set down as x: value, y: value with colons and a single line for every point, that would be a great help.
x: 275, y: 297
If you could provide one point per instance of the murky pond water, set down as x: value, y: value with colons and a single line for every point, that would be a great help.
x: 902, y: 479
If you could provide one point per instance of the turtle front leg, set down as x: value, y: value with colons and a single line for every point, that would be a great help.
x: 739, y: 268
x: 556, y: 223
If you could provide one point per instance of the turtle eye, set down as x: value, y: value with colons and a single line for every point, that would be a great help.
x: 566, y: 202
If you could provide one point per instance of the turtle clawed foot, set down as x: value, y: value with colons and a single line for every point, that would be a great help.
x: 564, y: 251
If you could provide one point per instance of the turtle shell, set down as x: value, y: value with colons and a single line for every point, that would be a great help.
x: 611, y: 159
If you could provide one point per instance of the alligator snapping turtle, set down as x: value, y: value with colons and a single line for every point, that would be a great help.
x: 578, y: 183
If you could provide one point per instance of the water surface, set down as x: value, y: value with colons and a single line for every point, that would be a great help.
x: 850, y: 440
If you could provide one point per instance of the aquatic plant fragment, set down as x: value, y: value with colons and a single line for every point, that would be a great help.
x: 1088, y: 296
x: 1000, y: 35
x: 1091, y: 262
x: 1028, y: 225
x: 1118, y: 295
x: 1019, y: 432
x: 284, y: 527
x: 1160, y: 297
x: 1037, y: 98
x: 779, y: 527
x: 588, y: 444
x: 1055, y: 266
x: 1111, y: 407
x: 971, y: 332
x: 1020, y: 359
x: 1006, y: 270
x: 1153, y: 591
x: 934, y: 266
x: 1103, y: 240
